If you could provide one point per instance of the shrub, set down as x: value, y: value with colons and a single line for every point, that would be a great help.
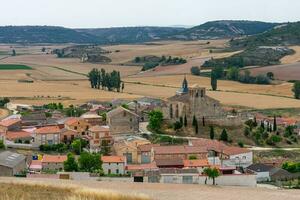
x: 195, y: 71
x: 241, y: 144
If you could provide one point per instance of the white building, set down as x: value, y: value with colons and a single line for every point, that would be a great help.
x: 113, y: 164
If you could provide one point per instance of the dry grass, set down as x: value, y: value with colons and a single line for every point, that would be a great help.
x: 35, y: 191
x: 292, y: 58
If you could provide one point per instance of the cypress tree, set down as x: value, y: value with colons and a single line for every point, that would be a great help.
x: 212, y: 133
x: 224, y: 136
x: 185, y: 121
x: 275, y: 124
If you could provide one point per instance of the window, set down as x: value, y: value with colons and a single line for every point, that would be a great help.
x: 75, y: 127
x: 130, y: 119
x: 109, y: 171
x: 117, y: 171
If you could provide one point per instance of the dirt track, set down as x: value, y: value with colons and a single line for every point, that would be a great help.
x: 180, y: 192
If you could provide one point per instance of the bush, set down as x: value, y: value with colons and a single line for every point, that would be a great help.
x: 149, y: 65
x: 177, y: 125
x: 241, y: 144
x: 195, y: 71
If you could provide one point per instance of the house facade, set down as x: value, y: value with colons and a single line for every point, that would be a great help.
x: 77, y: 124
x: 113, y: 164
x: 122, y: 121
x: 47, y: 135
x: 99, y: 135
x: 53, y: 162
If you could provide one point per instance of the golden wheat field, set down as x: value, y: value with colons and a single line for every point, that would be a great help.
x: 35, y: 191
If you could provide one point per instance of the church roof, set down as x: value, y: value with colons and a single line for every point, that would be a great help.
x: 185, y: 98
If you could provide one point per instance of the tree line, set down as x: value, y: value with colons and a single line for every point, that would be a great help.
x: 100, y: 79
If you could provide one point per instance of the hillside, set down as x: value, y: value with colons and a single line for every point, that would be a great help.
x: 224, y: 29
x: 43, y: 34
x: 283, y: 35
x: 131, y: 34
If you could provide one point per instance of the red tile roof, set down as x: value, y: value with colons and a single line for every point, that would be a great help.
x: 196, y: 163
x: 48, y: 130
x: 218, y: 146
x: 13, y: 135
x: 54, y: 158
x: 113, y: 159
x: 9, y: 122
x: 71, y: 121
x: 149, y: 166
x: 182, y: 149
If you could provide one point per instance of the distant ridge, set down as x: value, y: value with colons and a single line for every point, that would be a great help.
x: 129, y: 35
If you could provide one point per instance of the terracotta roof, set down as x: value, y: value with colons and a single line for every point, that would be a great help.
x: 119, y: 110
x: 54, y: 159
x: 13, y: 135
x: 48, y: 130
x: 99, y: 128
x: 235, y: 150
x: 71, y: 121
x: 169, y: 162
x: 196, y: 163
x: 113, y: 159
x: 147, y: 147
x: 218, y: 146
x: 35, y: 164
x: 182, y: 149
x: 148, y: 166
x: 9, y: 122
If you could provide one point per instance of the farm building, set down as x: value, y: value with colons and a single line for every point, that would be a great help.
x: 12, y: 163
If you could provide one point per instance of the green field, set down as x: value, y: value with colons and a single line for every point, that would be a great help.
x: 14, y: 67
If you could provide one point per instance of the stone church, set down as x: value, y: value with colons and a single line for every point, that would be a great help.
x: 193, y: 101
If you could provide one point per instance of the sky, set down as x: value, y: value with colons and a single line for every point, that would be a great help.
x: 116, y: 13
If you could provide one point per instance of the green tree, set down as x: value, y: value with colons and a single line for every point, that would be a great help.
x: 213, y: 81
x: 193, y: 157
x: 76, y: 146
x: 296, y: 90
x: 2, y: 145
x: 212, y: 173
x: 233, y: 73
x: 224, y: 136
x: 275, y: 124
x: 270, y: 75
x: 14, y: 53
x: 89, y: 162
x: 212, y: 133
x: 197, y: 128
x: 247, y: 131
x: 70, y: 165
x: 155, y: 119
x: 195, y: 71
x: 177, y: 125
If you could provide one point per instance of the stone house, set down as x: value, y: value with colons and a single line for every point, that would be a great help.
x: 98, y: 135
x: 93, y: 119
x: 122, y: 121
x: 113, y: 164
x: 10, y: 125
x: 19, y: 136
x: 46, y: 135
x: 77, y: 124
x: 53, y: 162
x: 67, y: 136
x: 144, y: 153
x: 12, y: 163
x: 128, y: 147
x: 179, y: 152
x: 221, y: 154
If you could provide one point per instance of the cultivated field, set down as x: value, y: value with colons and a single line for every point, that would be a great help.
x: 178, y: 191
x: 65, y: 79
x: 292, y: 58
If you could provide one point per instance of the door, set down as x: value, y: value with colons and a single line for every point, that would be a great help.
x: 138, y: 179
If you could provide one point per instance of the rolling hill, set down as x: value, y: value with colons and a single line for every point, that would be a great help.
x: 43, y: 34
x: 283, y: 35
x: 131, y: 34
x: 224, y: 29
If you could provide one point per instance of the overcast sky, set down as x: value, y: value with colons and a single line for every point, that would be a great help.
x: 113, y: 13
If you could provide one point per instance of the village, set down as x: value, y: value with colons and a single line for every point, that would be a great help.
x: 118, y: 141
